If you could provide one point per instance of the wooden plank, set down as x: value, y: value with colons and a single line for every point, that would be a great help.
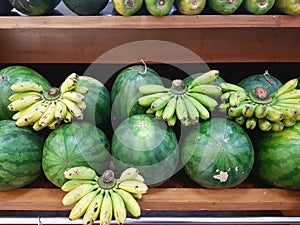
x: 167, y: 199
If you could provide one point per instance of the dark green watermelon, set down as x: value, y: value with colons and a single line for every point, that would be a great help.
x: 86, y: 7
x: 125, y: 94
x: 35, y: 7
x: 75, y: 144
x: 5, y: 8
x: 97, y: 100
x: 20, y: 155
x: 217, y: 153
x: 11, y: 75
x: 278, y: 157
x: 267, y: 81
x: 149, y: 144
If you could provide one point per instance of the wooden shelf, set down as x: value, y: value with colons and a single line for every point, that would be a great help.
x: 213, y: 38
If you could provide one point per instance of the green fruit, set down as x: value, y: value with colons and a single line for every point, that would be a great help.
x: 127, y: 7
x: 217, y: 154
x: 159, y: 7
x: 278, y: 157
x: 5, y: 7
x: 35, y: 7
x: 97, y: 100
x: 225, y: 7
x: 258, y: 7
x: 125, y: 94
x: 290, y: 7
x: 188, y: 80
x: 74, y: 144
x: 148, y: 144
x: 86, y: 7
x: 11, y: 75
x: 20, y: 155
x: 190, y: 7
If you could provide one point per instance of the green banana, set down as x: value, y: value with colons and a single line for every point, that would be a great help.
x: 240, y: 120
x: 152, y: 89
x: 119, y: 209
x: 248, y: 109
x: 205, y: 78
x: 133, y: 186
x: 290, y: 95
x: 172, y: 121
x: 72, y: 184
x: 230, y: 87
x: 137, y: 195
x: 106, y: 211
x: 289, y: 122
x: 93, y: 210
x: 77, y: 193
x: 295, y: 101
x: 208, y: 89
x: 287, y: 112
x: 202, y: 111
x: 161, y: 102
x: 147, y: 100
x: 80, y: 173
x: 25, y: 86
x: 225, y: 96
x: 23, y: 103
x: 251, y: 123
x: 181, y: 110
x: 170, y: 108
x: 223, y: 107
x: 237, y: 98
x: 193, y: 114
x: 277, y: 126
x: 264, y: 124
x: 159, y: 113
x: 261, y: 111
x: 19, y: 95
x: 274, y: 115
x: 235, y: 111
x: 286, y: 87
x: 130, y: 202
x: 206, y: 100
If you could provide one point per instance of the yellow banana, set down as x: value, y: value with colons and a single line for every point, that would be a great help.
x: 274, y: 115
x: 133, y: 186
x: 24, y: 111
x: 80, y: 173
x: 181, y: 111
x: 264, y: 124
x: 170, y: 108
x: 206, y: 100
x: 130, y: 173
x: 77, y: 193
x: 193, y: 114
x: 119, y: 208
x: 72, y: 184
x: 202, y: 111
x: 37, y: 127
x: 48, y: 115
x: 131, y: 203
x: 93, y: 210
x: 152, y: 89
x: 68, y: 118
x: 277, y: 126
x: 54, y: 124
x: 205, y: 78
x: 81, y: 105
x: 69, y: 83
x: 261, y: 111
x: 208, y: 89
x: 24, y: 86
x: 286, y: 87
x: 19, y: 95
x: 147, y: 100
x: 60, y: 111
x: 23, y: 103
x: 73, y: 108
x: 81, y: 206
x: 106, y: 211
x: 251, y: 123
x: 73, y: 96
x: 81, y: 89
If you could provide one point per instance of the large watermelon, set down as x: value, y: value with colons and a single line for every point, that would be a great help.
x: 5, y: 7
x: 125, y: 94
x: 217, y: 153
x: 20, y: 155
x: 147, y: 143
x: 35, y: 7
x: 9, y: 76
x: 97, y: 100
x: 86, y: 7
x: 278, y: 157
x: 75, y: 144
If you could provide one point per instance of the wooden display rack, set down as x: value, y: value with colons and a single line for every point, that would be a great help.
x: 215, y: 38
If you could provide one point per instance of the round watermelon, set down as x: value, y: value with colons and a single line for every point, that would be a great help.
x: 11, y: 75
x: 5, y: 7
x: 147, y: 143
x: 97, y: 100
x: 278, y: 157
x: 217, y: 153
x: 20, y: 155
x: 74, y: 144
x: 35, y: 7
x: 86, y: 7
x: 125, y: 94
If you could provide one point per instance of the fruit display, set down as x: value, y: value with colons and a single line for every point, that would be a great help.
x: 188, y: 104
x: 257, y: 108
x: 218, y: 154
x: 127, y: 8
x: 225, y: 7
x: 5, y: 8
x: 35, y: 7
x: 47, y: 108
x: 258, y: 7
x: 69, y: 146
x: 148, y: 144
x: 103, y: 197
x: 278, y: 158
x: 159, y: 7
x: 125, y: 93
x: 190, y: 7
x: 87, y: 7
x: 12, y: 74
x: 20, y: 155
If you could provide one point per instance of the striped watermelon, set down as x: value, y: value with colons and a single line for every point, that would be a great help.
x: 147, y: 143
x: 217, y: 154
x: 20, y: 155
x: 75, y: 144
x: 35, y: 7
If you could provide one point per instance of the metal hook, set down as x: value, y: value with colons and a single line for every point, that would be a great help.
x: 39, y: 221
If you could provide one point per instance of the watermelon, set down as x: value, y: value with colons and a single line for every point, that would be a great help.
x: 278, y: 157
x: 75, y: 144
x: 147, y: 143
x: 267, y: 81
x: 125, y: 94
x: 12, y: 74
x: 5, y: 7
x: 87, y: 7
x: 35, y: 7
x: 217, y: 154
x: 97, y: 100
x: 20, y: 155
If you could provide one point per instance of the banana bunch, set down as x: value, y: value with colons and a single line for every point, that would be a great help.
x: 39, y: 108
x: 103, y: 197
x: 188, y: 104
x: 258, y: 109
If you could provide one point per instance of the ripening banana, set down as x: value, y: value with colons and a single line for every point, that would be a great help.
x: 277, y: 126
x: 152, y: 89
x: 93, y: 210
x: 69, y: 83
x: 147, y: 100
x: 181, y: 110
x: 73, y: 96
x: 25, y: 86
x: 131, y: 203
x: 205, y: 78
x: 72, y: 184
x: 133, y: 186
x: 289, y: 95
x: 264, y: 124
x: 248, y: 109
x: 129, y: 174
x: 18, y: 95
x: 48, y: 115
x: 251, y: 123
x: 54, y: 124
x: 60, y: 111
x: 73, y: 108
x: 240, y: 120
x: 77, y: 193
x: 24, y: 111
x: 161, y: 102
x: 23, y: 102
x: 206, y: 100
x: 81, y: 89
x: 193, y: 114
x: 172, y: 121
x: 80, y: 173
x: 208, y: 89
x: 274, y: 115
x: 261, y: 111
x: 119, y: 208
x: 237, y: 98
x: 230, y: 87
x: 289, y: 122
x: 286, y: 87
x: 170, y: 108
x: 106, y: 211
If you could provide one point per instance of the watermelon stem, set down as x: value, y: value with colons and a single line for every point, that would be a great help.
x: 145, y: 71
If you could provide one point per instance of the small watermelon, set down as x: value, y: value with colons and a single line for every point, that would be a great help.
x: 75, y: 144
x: 147, y: 143
x: 278, y: 157
x: 86, y: 7
x: 35, y: 7
x: 217, y: 153
x: 20, y: 155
